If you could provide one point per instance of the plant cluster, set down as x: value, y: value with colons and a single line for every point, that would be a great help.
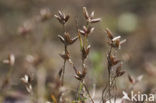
x: 113, y: 63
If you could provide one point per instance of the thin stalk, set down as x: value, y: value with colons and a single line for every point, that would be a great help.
x: 79, y: 92
x: 64, y: 64
x: 63, y: 72
x: 87, y: 91
x: 109, y: 74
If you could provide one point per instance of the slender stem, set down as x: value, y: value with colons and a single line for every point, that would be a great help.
x: 64, y: 65
x: 79, y: 92
x: 109, y: 87
x: 109, y: 73
x: 64, y: 27
x: 104, y: 92
x: 63, y: 72
x: 87, y: 91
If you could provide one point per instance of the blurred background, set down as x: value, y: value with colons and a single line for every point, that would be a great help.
x: 36, y: 47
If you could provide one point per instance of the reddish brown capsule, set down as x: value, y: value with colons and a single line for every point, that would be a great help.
x: 86, y: 30
x: 65, y: 56
x: 61, y: 17
x: 85, y: 52
x: 67, y: 40
x: 109, y: 33
x: 112, y: 60
x: 80, y: 75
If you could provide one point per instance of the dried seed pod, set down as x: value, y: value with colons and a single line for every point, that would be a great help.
x: 77, y: 77
x: 116, y: 44
x: 67, y: 18
x: 61, y: 17
x: 112, y: 60
x: 65, y: 56
x: 114, y: 41
x: 86, y: 30
x: 90, y: 18
x: 85, y: 52
x: 109, y: 33
x: 80, y: 75
x: 67, y: 39
x: 84, y: 72
x: 118, y: 71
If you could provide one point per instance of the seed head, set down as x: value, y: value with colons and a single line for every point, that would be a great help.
x: 61, y: 17
x: 86, y: 30
x: 67, y: 40
x: 90, y: 18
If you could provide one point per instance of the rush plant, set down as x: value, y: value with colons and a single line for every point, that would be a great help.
x: 83, y: 32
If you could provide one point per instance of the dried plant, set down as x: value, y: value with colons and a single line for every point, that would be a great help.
x: 113, y: 65
x: 67, y: 41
